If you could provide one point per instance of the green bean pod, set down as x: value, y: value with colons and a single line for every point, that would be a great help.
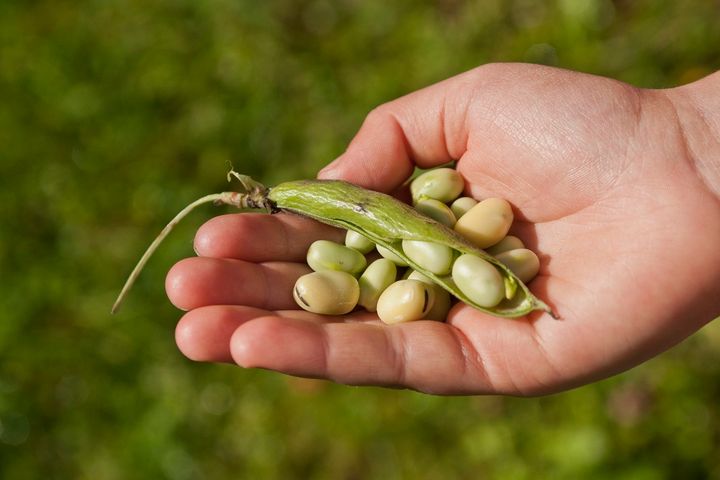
x: 387, y: 221
x: 381, y: 218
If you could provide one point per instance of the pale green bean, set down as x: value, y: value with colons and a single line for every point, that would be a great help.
x: 443, y: 184
x: 327, y: 255
x: 479, y: 280
x: 432, y: 256
x: 436, y: 210
x: 391, y: 256
x: 358, y: 241
x: 510, y: 242
x: 378, y: 276
x: 461, y: 206
x: 523, y: 263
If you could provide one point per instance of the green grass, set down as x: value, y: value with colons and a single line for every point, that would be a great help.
x: 115, y: 114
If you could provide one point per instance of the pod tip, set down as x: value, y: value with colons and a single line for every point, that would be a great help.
x: 550, y: 311
x: 546, y: 308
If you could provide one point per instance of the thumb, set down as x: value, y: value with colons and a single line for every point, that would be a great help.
x: 425, y: 128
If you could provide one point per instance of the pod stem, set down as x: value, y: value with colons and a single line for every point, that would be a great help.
x: 254, y: 199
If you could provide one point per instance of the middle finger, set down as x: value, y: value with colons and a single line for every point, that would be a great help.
x: 200, y: 281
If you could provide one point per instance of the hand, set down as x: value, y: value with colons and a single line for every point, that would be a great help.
x: 607, y: 186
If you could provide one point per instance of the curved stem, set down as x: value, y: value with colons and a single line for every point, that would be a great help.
x: 214, y: 198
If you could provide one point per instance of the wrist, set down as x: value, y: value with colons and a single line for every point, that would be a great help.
x: 698, y: 112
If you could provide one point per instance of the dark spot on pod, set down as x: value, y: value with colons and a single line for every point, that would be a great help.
x: 272, y: 206
x: 360, y: 208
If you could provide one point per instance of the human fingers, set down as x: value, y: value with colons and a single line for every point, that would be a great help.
x: 426, y: 356
x: 260, y: 237
x: 203, y: 334
x: 200, y: 281
x: 425, y: 128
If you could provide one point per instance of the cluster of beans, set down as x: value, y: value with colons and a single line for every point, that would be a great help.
x: 370, y: 276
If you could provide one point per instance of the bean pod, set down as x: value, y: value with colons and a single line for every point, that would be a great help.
x: 380, y: 218
x: 386, y: 222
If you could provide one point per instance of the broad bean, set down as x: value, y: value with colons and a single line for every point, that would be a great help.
x: 328, y: 292
x: 510, y: 242
x: 436, y: 210
x: 443, y: 184
x: 358, y: 242
x: 461, y: 206
x: 433, y: 257
x: 327, y: 255
x: 486, y: 223
x: 392, y: 256
x: 443, y: 302
x: 405, y: 301
x: 378, y: 276
x: 479, y: 280
x: 523, y: 263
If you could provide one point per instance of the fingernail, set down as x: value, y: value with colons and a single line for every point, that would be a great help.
x: 329, y: 171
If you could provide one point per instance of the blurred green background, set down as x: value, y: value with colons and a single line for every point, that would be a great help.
x: 116, y: 113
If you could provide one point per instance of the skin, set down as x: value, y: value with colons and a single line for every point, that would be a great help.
x: 617, y: 188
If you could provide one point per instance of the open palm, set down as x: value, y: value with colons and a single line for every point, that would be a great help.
x: 603, y: 186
